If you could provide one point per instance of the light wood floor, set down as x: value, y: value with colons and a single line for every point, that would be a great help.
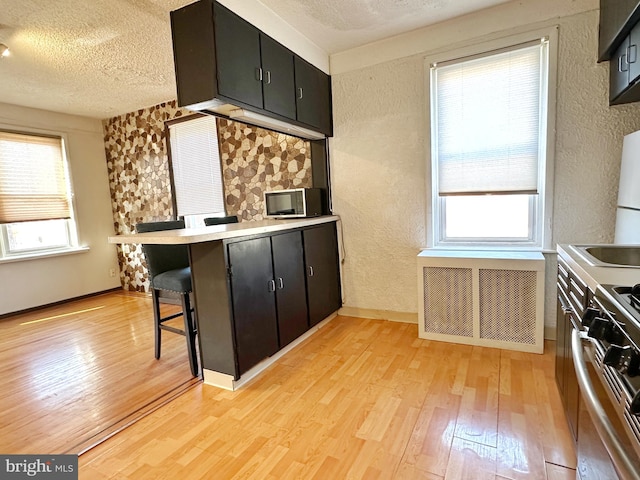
x: 76, y: 372
x: 360, y: 399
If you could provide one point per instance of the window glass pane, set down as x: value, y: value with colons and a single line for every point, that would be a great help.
x: 487, y: 216
x: 26, y: 236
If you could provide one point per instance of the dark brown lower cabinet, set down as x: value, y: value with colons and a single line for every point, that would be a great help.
x: 256, y: 294
x: 253, y: 300
x: 323, y: 271
x: 291, y: 300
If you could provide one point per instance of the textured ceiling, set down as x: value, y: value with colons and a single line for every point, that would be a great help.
x: 102, y: 58
x: 338, y: 25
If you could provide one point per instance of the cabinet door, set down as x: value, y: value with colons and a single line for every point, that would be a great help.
x: 313, y: 96
x: 253, y: 300
x: 291, y: 300
x: 614, y: 15
x: 278, y: 84
x: 238, y: 56
x: 632, y: 54
x: 322, y: 269
x: 619, y: 71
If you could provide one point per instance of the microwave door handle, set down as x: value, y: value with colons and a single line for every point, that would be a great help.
x: 621, y: 459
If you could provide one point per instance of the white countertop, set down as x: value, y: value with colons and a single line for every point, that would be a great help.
x: 219, y: 232
x: 594, y: 275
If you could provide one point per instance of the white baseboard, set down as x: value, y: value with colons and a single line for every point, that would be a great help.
x: 404, y: 317
x: 222, y: 380
x: 408, y: 317
x: 549, y: 332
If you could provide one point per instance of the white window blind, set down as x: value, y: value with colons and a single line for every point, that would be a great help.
x: 33, y: 181
x: 195, y: 160
x: 488, y: 122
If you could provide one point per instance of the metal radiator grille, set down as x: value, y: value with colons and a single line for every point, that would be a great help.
x: 448, y: 304
x: 508, y: 305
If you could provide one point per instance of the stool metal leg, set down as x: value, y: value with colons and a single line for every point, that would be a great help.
x: 156, y: 320
x: 190, y: 334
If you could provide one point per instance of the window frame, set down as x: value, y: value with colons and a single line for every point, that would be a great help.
x: 71, y: 226
x: 542, y: 228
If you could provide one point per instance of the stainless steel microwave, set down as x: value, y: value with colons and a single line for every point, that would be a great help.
x: 296, y: 202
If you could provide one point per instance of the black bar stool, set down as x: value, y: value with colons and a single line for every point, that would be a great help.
x: 220, y: 220
x: 169, y: 270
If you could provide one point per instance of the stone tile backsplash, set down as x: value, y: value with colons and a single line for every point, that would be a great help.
x: 253, y: 160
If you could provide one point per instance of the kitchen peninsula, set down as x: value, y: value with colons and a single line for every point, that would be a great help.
x: 258, y: 286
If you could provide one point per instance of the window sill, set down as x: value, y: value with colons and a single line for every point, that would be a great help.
x: 479, y: 248
x: 39, y: 255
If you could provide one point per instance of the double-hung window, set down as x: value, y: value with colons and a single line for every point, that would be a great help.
x: 36, y: 209
x: 489, y: 121
x: 195, y: 169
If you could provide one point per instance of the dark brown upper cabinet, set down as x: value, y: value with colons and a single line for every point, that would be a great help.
x: 313, y: 94
x: 616, y: 19
x: 624, y: 70
x: 222, y: 62
x: 619, y: 37
x: 237, y: 50
x: 278, y: 79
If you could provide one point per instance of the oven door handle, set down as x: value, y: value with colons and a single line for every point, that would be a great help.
x: 622, y: 461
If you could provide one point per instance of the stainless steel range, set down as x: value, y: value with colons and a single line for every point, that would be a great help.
x: 611, y: 341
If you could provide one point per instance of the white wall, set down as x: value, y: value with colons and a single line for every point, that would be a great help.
x: 31, y: 283
x: 378, y: 153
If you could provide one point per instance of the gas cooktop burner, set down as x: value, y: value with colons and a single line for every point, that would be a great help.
x: 627, y: 298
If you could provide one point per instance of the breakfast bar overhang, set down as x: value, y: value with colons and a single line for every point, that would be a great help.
x: 259, y: 287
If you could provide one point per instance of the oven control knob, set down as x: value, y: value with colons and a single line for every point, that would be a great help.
x: 600, y: 328
x: 605, y: 329
x: 624, y: 359
x: 589, y: 314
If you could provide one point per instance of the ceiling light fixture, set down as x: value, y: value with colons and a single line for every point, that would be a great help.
x: 4, y: 50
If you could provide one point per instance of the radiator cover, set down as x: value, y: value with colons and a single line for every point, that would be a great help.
x: 492, y: 299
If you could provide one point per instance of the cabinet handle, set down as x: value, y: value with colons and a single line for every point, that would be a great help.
x: 280, y: 283
x: 259, y: 74
x: 268, y: 81
x: 272, y: 285
x: 632, y: 53
x: 620, y: 62
x: 310, y: 271
x: 300, y: 93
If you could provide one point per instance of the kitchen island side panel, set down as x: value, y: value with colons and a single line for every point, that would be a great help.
x: 213, y: 310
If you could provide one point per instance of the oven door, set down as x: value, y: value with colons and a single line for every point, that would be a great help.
x: 603, y: 447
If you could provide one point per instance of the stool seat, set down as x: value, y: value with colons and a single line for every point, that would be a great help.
x: 178, y: 280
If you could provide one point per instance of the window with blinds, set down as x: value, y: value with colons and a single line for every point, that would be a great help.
x: 33, y: 184
x: 36, y: 211
x: 488, y: 146
x: 195, y: 170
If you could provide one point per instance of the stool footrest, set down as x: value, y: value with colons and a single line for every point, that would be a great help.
x: 172, y: 329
